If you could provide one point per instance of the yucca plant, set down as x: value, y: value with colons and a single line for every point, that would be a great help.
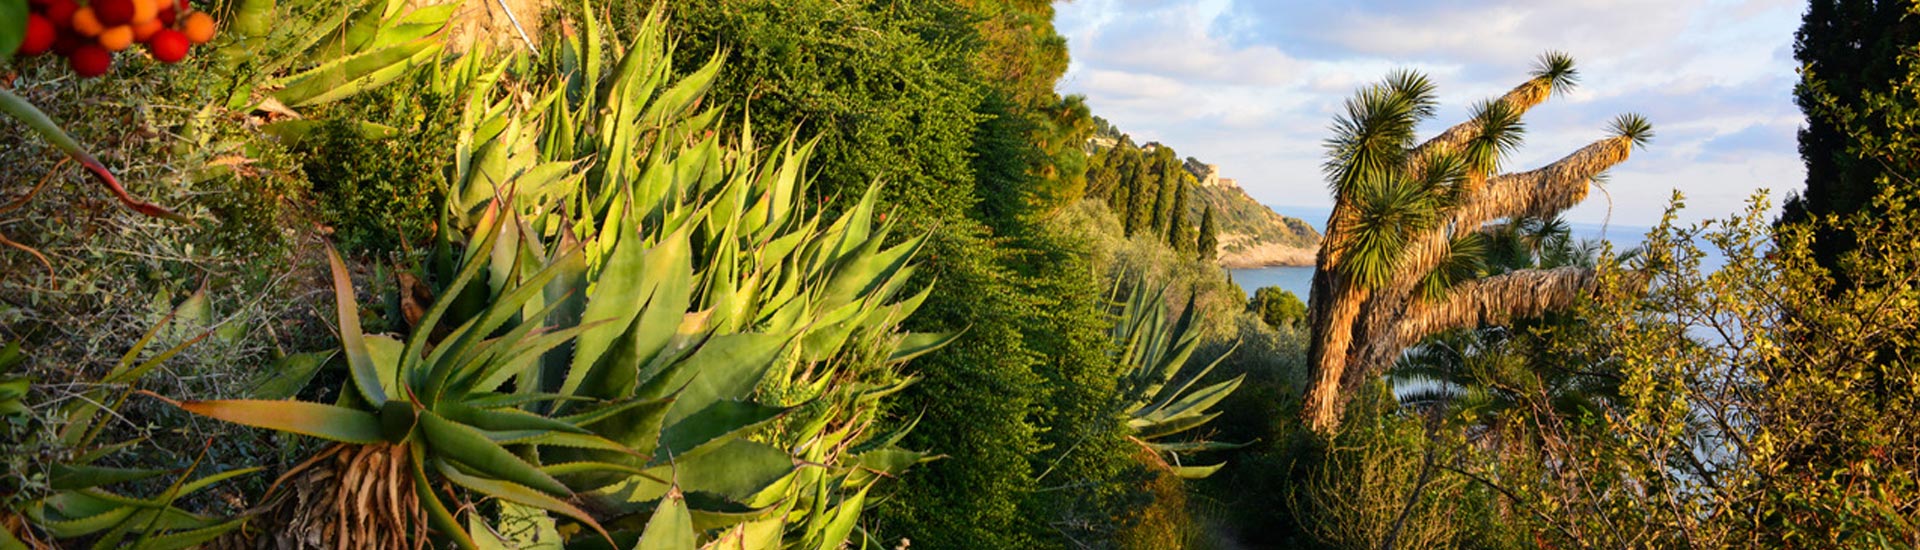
x: 1407, y: 235
x: 81, y: 503
x: 1155, y: 390
x: 1485, y: 378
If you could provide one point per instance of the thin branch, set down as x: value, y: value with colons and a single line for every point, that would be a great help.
x: 1517, y: 500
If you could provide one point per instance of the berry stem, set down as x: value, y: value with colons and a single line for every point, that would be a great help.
x: 25, y: 112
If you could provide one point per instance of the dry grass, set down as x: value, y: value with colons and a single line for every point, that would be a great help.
x: 101, y: 276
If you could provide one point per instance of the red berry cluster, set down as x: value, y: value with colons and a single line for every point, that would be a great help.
x: 88, y: 34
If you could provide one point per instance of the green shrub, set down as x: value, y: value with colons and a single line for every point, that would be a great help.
x: 1278, y: 307
x: 376, y: 165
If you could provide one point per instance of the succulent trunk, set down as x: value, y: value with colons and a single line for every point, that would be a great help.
x: 345, y: 497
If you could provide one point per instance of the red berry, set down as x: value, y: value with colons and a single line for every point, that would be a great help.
x: 68, y: 41
x: 113, y: 13
x: 60, y: 12
x: 168, y: 46
x: 166, y: 15
x: 40, y: 35
x: 90, y: 60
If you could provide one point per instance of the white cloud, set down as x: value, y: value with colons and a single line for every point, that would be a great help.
x: 1252, y: 84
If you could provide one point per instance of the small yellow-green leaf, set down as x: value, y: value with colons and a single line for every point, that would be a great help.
x: 671, y: 527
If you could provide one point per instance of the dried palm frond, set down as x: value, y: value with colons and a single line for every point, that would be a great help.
x: 1495, y: 300
x: 1545, y: 191
x: 1553, y: 73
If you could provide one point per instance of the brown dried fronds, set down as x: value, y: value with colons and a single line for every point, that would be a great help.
x: 1495, y: 300
x: 1544, y: 191
x: 345, y: 497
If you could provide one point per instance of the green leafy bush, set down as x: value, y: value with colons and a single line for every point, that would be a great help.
x: 375, y: 162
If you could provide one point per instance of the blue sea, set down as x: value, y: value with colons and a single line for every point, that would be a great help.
x: 1299, y: 280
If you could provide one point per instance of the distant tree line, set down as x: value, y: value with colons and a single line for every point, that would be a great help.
x: 1148, y: 188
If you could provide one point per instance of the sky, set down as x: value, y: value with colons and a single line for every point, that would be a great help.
x: 1252, y: 85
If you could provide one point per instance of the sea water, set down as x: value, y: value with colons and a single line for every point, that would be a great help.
x: 1299, y: 279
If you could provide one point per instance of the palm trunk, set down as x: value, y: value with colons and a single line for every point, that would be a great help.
x: 1331, y: 307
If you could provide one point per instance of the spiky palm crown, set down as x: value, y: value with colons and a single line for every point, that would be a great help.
x: 1396, y: 190
x: 1556, y: 69
x: 1474, y: 376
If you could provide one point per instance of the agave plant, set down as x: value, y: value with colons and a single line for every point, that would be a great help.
x: 1155, y: 390
x: 81, y: 502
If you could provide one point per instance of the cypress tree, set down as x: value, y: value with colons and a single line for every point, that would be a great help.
x: 1209, y: 241
x: 1145, y: 200
x: 1179, y: 234
x: 1101, y: 175
x: 1166, y: 174
x: 1851, y: 48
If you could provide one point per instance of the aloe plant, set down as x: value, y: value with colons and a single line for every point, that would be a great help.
x: 635, y: 327
x: 1155, y: 389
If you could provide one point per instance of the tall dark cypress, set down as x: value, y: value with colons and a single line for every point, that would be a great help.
x: 1851, y: 48
x: 1179, y: 232
x: 1146, y: 193
x: 1208, y: 242
x: 1167, y: 174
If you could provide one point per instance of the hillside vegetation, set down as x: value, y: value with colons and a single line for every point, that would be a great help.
x: 1140, y: 181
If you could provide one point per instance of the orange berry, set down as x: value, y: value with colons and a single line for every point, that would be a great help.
x: 144, y: 11
x: 143, y: 31
x: 117, y: 38
x: 85, y: 23
x: 198, y: 27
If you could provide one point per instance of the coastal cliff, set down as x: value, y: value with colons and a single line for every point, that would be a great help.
x: 1250, y: 234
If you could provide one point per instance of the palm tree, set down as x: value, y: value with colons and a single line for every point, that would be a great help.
x: 1407, y: 241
